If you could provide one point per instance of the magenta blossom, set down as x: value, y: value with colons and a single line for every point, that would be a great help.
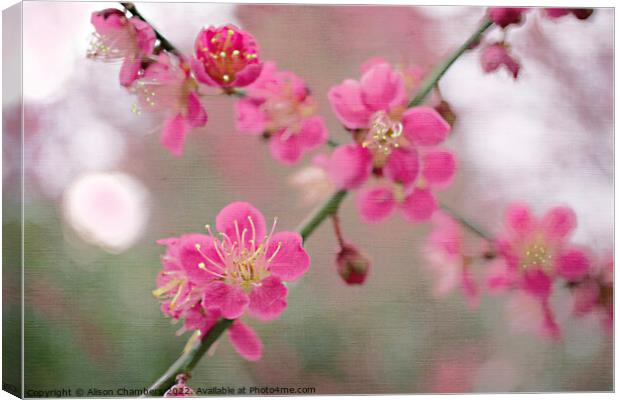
x: 206, y: 277
x: 496, y: 55
x: 533, y: 253
x: 226, y: 57
x: 278, y: 105
x: 445, y: 252
x: 391, y: 141
x: 167, y: 86
x: 504, y: 16
x: 118, y: 37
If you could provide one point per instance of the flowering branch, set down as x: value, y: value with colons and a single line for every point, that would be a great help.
x: 188, y: 360
x: 163, y: 42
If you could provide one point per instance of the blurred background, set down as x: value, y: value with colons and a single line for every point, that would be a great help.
x: 100, y: 191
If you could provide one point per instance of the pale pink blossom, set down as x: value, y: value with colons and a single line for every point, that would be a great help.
x: 534, y: 252
x: 312, y: 181
x: 226, y: 57
x: 445, y: 251
x: 496, y: 55
x: 168, y: 87
x: 118, y: 37
x: 278, y: 105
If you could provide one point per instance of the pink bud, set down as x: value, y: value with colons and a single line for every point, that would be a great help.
x: 496, y: 55
x: 352, y: 266
x: 504, y: 16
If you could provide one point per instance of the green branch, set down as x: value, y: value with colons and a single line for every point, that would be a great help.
x: 431, y: 81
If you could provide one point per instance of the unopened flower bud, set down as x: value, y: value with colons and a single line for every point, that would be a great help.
x: 352, y: 266
x: 504, y: 16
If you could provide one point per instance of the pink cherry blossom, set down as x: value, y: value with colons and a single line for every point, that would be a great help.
x: 496, y: 55
x: 226, y: 57
x: 594, y: 293
x: 504, y: 16
x: 167, y: 86
x: 534, y: 252
x: 278, y: 105
x: 118, y: 37
x: 445, y: 252
x: 392, y: 141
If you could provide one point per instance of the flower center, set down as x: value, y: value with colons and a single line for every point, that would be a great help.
x: 241, y: 261
x: 536, y: 255
x: 225, y: 57
x: 383, y: 135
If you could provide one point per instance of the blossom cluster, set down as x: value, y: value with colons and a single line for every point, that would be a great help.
x: 239, y: 271
x: 498, y: 54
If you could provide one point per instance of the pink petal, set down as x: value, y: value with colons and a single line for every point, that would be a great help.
x: 199, y: 72
x: 268, y: 299
x: 346, y: 102
x: 438, y: 167
x: 499, y: 277
x: 249, y: 117
x: 236, y: 217
x: 173, y: 134
x: 519, y: 219
x: 230, y: 300
x: 572, y: 264
x: 129, y: 71
x: 145, y: 35
x: 245, y: 341
x: 193, y: 261
x: 419, y: 205
x: 382, y: 88
x: 248, y: 75
x: 559, y: 223
x: 196, y: 114
x: 350, y: 166
x: 537, y: 283
x: 291, y: 260
x: 285, y: 148
x: 424, y: 126
x: 371, y: 63
x: 313, y: 133
x: 402, y: 166
x: 376, y: 204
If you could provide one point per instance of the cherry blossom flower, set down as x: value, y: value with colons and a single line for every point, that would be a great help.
x: 167, y: 86
x: 391, y: 141
x: 208, y: 277
x: 594, y: 293
x: 445, y: 252
x: 117, y: 37
x: 534, y: 252
x: 505, y: 16
x: 313, y: 181
x: 496, y: 55
x: 278, y: 105
x: 226, y: 57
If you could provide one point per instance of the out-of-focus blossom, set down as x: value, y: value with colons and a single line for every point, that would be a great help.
x: 167, y: 86
x: 107, y: 209
x: 313, y: 181
x: 504, y: 16
x: 579, y: 13
x: 595, y: 293
x: 118, y: 37
x: 352, y: 266
x: 496, y: 55
x: 391, y: 141
x: 534, y: 252
x: 243, y: 269
x: 278, y: 105
x: 445, y: 253
x: 226, y: 57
